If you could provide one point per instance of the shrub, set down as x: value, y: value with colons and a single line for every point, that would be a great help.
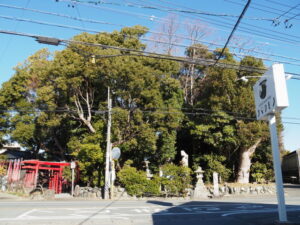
x: 260, y: 173
x: 3, y: 171
x: 215, y: 163
x: 153, y: 186
x: 136, y: 182
x: 175, y: 179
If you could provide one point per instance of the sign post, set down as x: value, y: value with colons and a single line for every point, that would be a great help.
x: 270, y: 94
x: 73, y: 166
x: 115, y: 155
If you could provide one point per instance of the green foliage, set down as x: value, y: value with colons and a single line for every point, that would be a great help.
x: 175, y: 179
x: 260, y: 173
x: 217, y: 132
x: 136, y: 182
x: 221, y: 128
x: 90, y: 156
x: 214, y: 163
x: 3, y: 168
x: 262, y: 164
x: 3, y: 171
x: 58, y: 96
x: 67, y: 174
x: 58, y: 103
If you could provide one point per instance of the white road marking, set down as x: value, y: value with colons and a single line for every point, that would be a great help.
x: 26, y: 213
x: 187, y: 209
x: 137, y: 210
x: 259, y: 211
x: 45, y: 211
x: 147, y: 212
x: 249, y: 206
x: 157, y: 210
x: 249, y: 211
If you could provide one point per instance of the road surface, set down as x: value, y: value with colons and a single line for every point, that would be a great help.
x: 229, y: 211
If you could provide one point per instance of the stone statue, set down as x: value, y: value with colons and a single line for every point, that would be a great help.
x: 148, y: 172
x: 185, y: 158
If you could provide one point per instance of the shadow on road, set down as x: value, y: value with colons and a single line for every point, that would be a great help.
x: 293, y: 186
x: 161, y: 203
x: 222, y: 213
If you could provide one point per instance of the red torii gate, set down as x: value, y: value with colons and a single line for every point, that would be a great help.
x: 55, y: 170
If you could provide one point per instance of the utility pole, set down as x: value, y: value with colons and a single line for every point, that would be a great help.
x: 108, y: 149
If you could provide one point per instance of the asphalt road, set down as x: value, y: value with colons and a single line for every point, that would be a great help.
x: 234, y: 211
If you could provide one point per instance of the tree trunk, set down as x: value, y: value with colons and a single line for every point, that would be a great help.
x: 245, y: 163
x: 60, y: 148
x: 192, y: 71
x: 88, y: 100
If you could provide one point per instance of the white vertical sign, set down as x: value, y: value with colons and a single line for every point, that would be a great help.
x: 270, y: 92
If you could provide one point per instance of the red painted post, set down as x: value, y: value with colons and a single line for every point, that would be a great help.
x: 60, y: 179
x: 9, y: 171
x: 36, y: 173
x: 51, y: 180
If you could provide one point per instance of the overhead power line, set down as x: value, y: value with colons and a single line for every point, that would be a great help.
x: 266, y: 9
x: 210, y: 113
x: 193, y: 110
x: 233, y: 30
x: 145, y: 39
x: 291, y: 18
x: 59, y: 15
x: 120, y: 25
x: 245, y: 28
x: 151, y: 7
x: 262, y: 7
x: 48, y: 24
x: 263, y: 32
x: 279, y: 3
x: 251, y: 29
x: 197, y: 61
x: 286, y: 12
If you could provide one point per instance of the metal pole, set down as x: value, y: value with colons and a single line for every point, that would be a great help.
x: 108, y: 149
x: 113, y: 173
x: 277, y: 168
x: 72, y: 191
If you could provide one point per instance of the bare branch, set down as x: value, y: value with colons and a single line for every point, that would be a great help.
x: 166, y: 38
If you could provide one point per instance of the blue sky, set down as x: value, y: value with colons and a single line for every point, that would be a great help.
x: 254, y: 31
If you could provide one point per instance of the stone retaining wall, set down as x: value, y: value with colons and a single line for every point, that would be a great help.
x: 244, y: 189
x: 87, y: 192
x: 224, y: 190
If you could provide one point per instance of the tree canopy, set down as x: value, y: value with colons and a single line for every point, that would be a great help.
x: 56, y: 104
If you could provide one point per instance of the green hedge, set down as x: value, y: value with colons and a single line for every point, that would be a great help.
x: 174, y: 181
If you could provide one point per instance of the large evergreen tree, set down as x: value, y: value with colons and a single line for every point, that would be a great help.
x: 58, y: 103
x: 61, y: 102
x: 222, y: 129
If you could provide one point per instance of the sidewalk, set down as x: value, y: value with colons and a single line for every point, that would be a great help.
x: 6, y: 196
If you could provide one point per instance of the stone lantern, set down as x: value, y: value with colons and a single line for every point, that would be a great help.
x: 200, y: 190
x: 199, y: 174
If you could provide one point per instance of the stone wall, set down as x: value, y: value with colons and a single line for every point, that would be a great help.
x: 87, y: 192
x: 230, y: 189
x: 244, y: 189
